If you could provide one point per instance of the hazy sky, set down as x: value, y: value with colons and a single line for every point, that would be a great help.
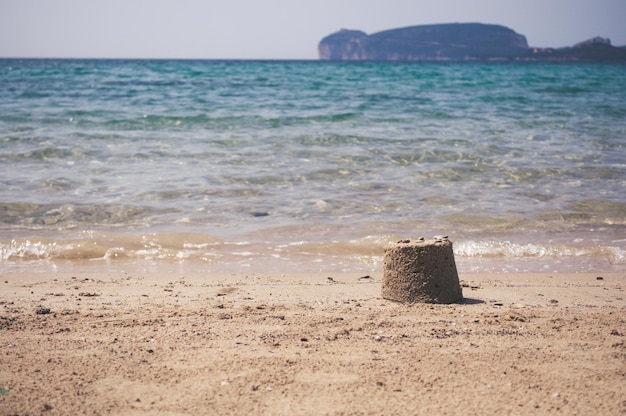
x: 273, y: 29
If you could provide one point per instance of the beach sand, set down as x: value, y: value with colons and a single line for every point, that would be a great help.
x: 161, y: 342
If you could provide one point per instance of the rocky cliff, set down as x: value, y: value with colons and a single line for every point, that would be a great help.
x: 443, y: 42
x: 455, y: 42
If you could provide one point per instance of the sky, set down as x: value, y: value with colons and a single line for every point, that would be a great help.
x: 273, y: 29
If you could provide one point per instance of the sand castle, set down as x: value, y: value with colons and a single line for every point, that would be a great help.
x: 421, y: 271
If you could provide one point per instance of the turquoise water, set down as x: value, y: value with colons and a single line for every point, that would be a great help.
x: 311, y: 166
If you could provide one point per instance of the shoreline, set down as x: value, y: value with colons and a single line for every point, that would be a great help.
x: 161, y: 342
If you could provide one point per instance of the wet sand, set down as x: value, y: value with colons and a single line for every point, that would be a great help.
x: 168, y: 343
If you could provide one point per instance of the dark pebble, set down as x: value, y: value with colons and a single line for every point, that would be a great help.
x: 259, y: 214
x: 599, y: 278
x: 42, y: 311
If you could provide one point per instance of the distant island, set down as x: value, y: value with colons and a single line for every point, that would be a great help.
x: 458, y: 42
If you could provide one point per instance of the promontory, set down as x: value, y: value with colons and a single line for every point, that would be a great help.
x: 456, y: 42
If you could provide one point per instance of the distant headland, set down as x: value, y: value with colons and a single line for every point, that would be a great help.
x: 458, y: 42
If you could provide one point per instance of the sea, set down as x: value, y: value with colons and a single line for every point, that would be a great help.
x: 309, y: 166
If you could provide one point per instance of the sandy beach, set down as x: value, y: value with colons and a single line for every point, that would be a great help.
x: 132, y: 342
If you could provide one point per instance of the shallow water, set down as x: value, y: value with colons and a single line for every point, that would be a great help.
x: 310, y: 166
